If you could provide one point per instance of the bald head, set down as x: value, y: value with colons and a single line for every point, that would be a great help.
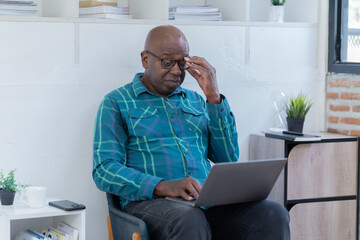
x: 165, y: 48
x: 163, y: 36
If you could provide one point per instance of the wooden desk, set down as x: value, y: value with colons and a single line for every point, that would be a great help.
x: 319, y: 185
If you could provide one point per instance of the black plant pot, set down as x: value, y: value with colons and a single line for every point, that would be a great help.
x: 7, y: 197
x: 295, y: 124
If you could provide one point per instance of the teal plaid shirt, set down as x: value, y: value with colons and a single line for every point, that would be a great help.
x: 141, y: 138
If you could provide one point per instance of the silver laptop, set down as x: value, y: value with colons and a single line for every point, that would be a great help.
x: 237, y: 182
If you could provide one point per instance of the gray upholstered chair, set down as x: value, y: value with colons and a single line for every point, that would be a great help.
x: 124, y: 225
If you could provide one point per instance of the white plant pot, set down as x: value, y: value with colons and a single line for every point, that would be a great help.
x: 276, y: 14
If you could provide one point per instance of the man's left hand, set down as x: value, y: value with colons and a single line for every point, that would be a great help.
x: 205, y: 75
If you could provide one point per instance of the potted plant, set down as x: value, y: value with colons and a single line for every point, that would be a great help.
x: 277, y: 2
x: 276, y: 12
x: 8, y: 187
x: 296, y: 110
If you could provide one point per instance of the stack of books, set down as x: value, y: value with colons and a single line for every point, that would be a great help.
x: 18, y: 8
x: 195, y: 13
x: 105, y: 11
x: 102, y: 9
x: 90, y: 3
x: 63, y: 231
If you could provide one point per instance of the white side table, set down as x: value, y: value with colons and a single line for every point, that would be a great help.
x: 19, y: 217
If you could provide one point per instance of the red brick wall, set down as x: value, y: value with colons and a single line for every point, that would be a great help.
x: 343, y: 104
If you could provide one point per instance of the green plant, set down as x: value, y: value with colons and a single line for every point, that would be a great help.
x: 8, y: 182
x: 298, y: 107
x: 277, y: 2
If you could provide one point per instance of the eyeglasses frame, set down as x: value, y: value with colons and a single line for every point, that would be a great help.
x: 162, y: 64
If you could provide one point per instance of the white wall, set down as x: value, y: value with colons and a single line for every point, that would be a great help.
x: 54, y: 75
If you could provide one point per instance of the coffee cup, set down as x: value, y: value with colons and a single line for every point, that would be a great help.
x: 34, y: 197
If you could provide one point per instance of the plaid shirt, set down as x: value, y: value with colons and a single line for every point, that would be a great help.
x: 142, y: 138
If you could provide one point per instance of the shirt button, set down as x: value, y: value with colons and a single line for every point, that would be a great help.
x: 189, y: 173
x: 172, y: 116
x: 185, y: 152
x: 178, y: 135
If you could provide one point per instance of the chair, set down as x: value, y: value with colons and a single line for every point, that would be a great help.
x: 124, y: 226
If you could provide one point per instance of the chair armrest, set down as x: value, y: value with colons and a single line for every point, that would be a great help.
x: 124, y: 225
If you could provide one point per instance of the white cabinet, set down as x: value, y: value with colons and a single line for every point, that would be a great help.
x: 232, y: 10
x: 19, y: 217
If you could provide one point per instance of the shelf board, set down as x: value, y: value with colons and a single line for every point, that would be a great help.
x: 154, y: 22
x: 20, y: 211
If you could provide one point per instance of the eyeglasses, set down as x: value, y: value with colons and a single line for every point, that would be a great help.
x: 168, y: 64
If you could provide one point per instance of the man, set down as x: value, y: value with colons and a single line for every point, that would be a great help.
x: 153, y: 139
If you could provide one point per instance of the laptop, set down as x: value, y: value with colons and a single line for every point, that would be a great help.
x: 237, y: 182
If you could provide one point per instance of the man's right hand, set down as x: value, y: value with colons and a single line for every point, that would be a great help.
x: 179, y: 188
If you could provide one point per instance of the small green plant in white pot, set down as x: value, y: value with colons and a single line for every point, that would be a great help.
x: 296, y: 110
x: 8, y: 187
x: 276, y: 11
x: 277, y: 2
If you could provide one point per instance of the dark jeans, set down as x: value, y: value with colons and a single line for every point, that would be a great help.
x: 263, y: 220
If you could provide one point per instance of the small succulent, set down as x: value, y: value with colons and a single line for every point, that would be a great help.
x: 277, y: 2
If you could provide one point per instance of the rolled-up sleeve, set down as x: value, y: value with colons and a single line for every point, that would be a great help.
x: 223, y: 146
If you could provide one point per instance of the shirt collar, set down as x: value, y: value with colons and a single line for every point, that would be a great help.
x: 139, y: 87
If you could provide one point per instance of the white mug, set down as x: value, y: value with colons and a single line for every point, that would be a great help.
x: 35, y: 197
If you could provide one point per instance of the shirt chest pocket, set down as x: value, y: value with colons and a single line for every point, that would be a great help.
x: 144, y: 120
x: 195, y: 120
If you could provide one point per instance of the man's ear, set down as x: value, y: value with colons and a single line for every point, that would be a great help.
x: 144, y: 59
